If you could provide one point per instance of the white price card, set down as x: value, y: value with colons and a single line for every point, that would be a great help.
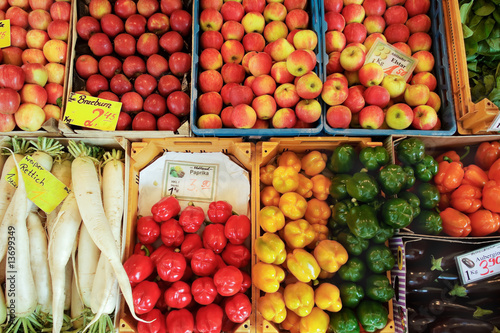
x: 479, y: 264
x: 495, y: 124
x: 191, y: 181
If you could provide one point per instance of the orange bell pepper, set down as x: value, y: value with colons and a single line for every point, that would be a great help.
x: 305, y: 186
x: 285, y: 179
x: 327, y: 297
x: 313, y: 163
x: 491, y: 196
x: 302, y: 265
x: 444, y: 201
x: 272, y: 307
x: 289, y: 158
x: 318, y: 212
x: 475, y: 176
x: 330, y: 255
x: 483, y: 223
x: 321, y: 233
x: 271, y: 219
x: 466, y: 198
x: 293, y: 205
x: 455, y: 223
x: 299, y: 297
x: 270, y: 249
x: 494, y: 172
x: 453, y: 156
x: 291, y: 322
x: 298, y: 234
x: 269, y: 196
x: 267, y: 277
x: 321, y: 187
x: 316, y: 322
x: 266, y: 174
x: 449, y: 176
x: 487, y: 153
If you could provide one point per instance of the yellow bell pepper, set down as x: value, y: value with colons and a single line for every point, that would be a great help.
x: 270, y: 249
x: 266, y: 174
x: 318, y: 212
x: 270, y: 197
x: 321, y: 232
x: 289, y: 158
x: 316, y: 322
x: 267, y: 277
x: 293, y: 205
x: 298, y: 234
x: 291, y: 322
x: 302, y: 265
x: 321, y: 187
x: 305, y: 186
x: 272, y: 307
x: 330, y: 255
x: 327, y: 297
x: 313, y: 163
x: 271, y: 219
x: 299, y: 297
x: 285, y: 179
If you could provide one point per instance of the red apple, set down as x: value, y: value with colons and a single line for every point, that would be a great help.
x: 120, y: 84
x: 232, y: 11
x: 172, y: 42
x: 36, y: 73
x: 284, y: 118
x: 374, y: 24
x: 419, y: 41
x: 40, y: 4
x: 371, y: 74
x: 210, y: 59
x: 169, y: 6
x: 425, y: 61
x: 374, y: 7
x: 333, y: 6
x: 109, y: 96
x: 335, y: 91
x: 55, y: 93
x: 210, y: 80
x: 353, y: 13
x: 241, y: 95
x: 338, y: 116
x: 275, y: 11
x: 395, y: 15
x: 416, y: 7
x: 132, y: 102
x: 232, y: 51
x: 124, y: 121
x: 419, y: 23
x: 58, y: 29
x: 225, y: 92
x: 334, y: 21
x: 9, y: 101
x: 168, y: 84
x: 135, y: 25
x: 99, y: 8
x: 286, y: 95
x: 352, y: 58
x: 216, y: 4
x: 209, y: 39
x: 95, y: 84
x: 425, y: 78
x: 334, y: 41
x: 377, y: 95
x: 158, y: 23
x: 29, y: 117
x: 225, y: 116
x: 145, y: 84
x: 253, y: 42
x: 210, y: 103
x: 297, y: 19
x: 178, y: 103
x: 403, y: 47
x: 11, y: 77
x: 11, y: 56
x: 7, y: 122
x: 308, y: 110
x: 39, y: 19
x: 156, y: 105
x: 309, y: 86
x: 148, y: 44
x: 52, y: 111
x: 99, y: 44
x: 355, y: 33
x: 60, y: 10
x: 133, y: 66
x: 147, y: 7
x: 109, y: 66
x: 55, y: 72
x: 254, y: 6
x: 371, y: 117
x: 209, y: 121
x: 243, y: 116
x: 180, y: 63
x: 280, y: 73
x: 112, y: 25
x: 36, y: 39
x: 180, y: 21
x: 124, y: 45
x: 157, y: 65
x: 264, y: 106
x: 18, y: 37
x: 333, y: 65
x: 260, y: 64
x: 17, y: 17
x: 125, y: 8
x: 87, y: 26
x: 144, y: 121
x: 168, y: 122
x: 232, y: 30
x: 355, y: 100
x: 424, y: 117
x: 233, y: 73
x: 399, y: 116
x: 397, y: 33
x: 263, y: 85
x: 33, y: 93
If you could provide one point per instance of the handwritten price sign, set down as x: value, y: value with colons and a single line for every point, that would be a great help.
x: 392, y: 60
x: 4, y: 33
x: 92, y: 112
x: 191, y: 181
x: 479, y: 264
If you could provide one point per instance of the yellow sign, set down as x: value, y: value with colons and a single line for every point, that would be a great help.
x: 92, y: 112
x: 42, y: 187
x: 4, y: 33
x: 391, y: 59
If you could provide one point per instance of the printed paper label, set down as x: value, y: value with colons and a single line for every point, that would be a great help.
x: 191, y: 181
x: 479, y: 264
x: 495, y: 124
x: 392, y: 60
x: 4, y: 33
x: 92, y: 112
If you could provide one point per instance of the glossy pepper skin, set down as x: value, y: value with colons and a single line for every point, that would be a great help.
x: 299, y: 298
x: 272, y: 307
x: 487, y: 153
x: 449, y: 176
x: 491, y: 196
x: 330, y: 255
x: 219, y: 211
x: 410, y: 177
x: 373, y: 158
x: 372, y: 315
x: 271, y: 219
x: 305, y: 188
x: 165, y: 209
x: 209, y: 319
x: 426, y: 169
x: 157, y: 254
x: 192, y: 243
x: 178, y: 295
x: 362, y: 187
x: 180, y: 321
x: 228, y: 280
x: 397, y: 213
x: 236, y: 255
x: 429, y: 195
x: 453, y: 156
x: 313, y: 163
x: 171, y: 267
x: 383, y: 234
x: 342, y: 160
x: 267, y: 277
x: 191, y: 219
x: 351, y: 294
x: 413, y: 200
x: 321, y: 232
x: 213, y: 237
x: 291, y: 322
x: 484, y: 222
x: 379, y: 259
x: 270, y: 197
x: 317, y: 212
x: 145, y: 296
x: 392, y: 179
x: 340, y: 211
x: 266, y: 174
x: 203, y: 262
x: 237, y: 229
x: 338, y: 189
x: 494, y: 171
x: 354, y: 270
x: 270, y: 249
x: 475, y: 176
x: 344, y: 321
x: 362, y: 221
x: 303, y: 265
x: 290, y: 159
x: 379, y: 288
x: 353, y: 244
x: 455, y: 223
x: 238, y: 308
x: 321, y: 187
x: 293, y: 205
x: 155, y: 322
x: 315, y: 322
x: 143, y: 249
x: 466, y: 199
x: 428, y: 223
x: 327, y: 297
x: 148, y: 230
x: 298, y: 234
x: 172, y: 233
x: 285, y: 179
x: 410, y: 151
x: 138, y: 268
x: 204, y: 290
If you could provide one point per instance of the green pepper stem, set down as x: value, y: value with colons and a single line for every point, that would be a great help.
x: 467, y: 151
x: 144, y: 247
x: 447, y: 159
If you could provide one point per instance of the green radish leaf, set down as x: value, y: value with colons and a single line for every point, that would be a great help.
x: 464, y: 11
x: 470, y: 46
x: 489, y: 83
x: 495, y: 33
x: 496, y: 2
x: 467, y: 31
x: 472, y: 66
x: 478, y: 4
x: 494, y: 95
x: 474, y: 21
x: 496, y: 15
x: 494, y: 43
x: 483, y: 29
x: 472, y: 74
x: 485, y: 10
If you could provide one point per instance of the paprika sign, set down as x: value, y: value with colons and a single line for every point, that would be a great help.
x: 4, y: 33
x: 191, y: 181
x: 92, y: 112
x: 392, y: 60
x: 479, y: 264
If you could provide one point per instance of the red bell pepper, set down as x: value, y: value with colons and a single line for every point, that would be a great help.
x: 180, y: 321
x: 145, y: 296
x: 161, y: 304
x: 236, y: 255
x: 455, y: 223
x: 165, y: 209
x: 494, y: 172
x: 171, y: 267
x: 148, y: 230
x: 238, y: 308
x: 204, y: 262
x: 209, y: 319
x: 138, y: 268
x: 453, y: 156
x: 220, y: 262
x: 449, y: 176
x: 475, y: 176
x: 213, y: 237
x: 466, y: 198
x: 188, y: 274
x: 227, y: 325
x: 491, y: 196
x: 484, y: 222
x: 191, y: 219
x: 143, y: 249
x: 237, y: 229
x: 228, y: 280
x: 192, y: 243
x: 487, y: 153
x: 155, y: 322
x: 159, y: 252
x: 204, y: 290
x: 172, y: 233
x: 247, y: 282
x: 444, y: 200
x: 178, y: 296
x: 219, y: 211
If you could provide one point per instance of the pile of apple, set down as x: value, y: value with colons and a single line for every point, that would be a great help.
x: 362, y: 95
x: 139, y: 58
x: 256, y: 65
x: 32, y: 68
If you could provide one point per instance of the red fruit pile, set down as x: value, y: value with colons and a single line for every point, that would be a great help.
x: 139, y: 59
x: 191, y: 282
x: 32, y: 70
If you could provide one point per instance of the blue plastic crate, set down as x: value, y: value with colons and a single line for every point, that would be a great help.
x: 315, y: 22
x: 441, y: 71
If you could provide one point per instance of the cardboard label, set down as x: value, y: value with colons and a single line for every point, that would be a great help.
x: 392, y: 60
x: 495, y: 124
x: 479, y: 264
x: 191, y: 181
x: 4, y: 33
x: 92, y: 112
x: 42, y: 187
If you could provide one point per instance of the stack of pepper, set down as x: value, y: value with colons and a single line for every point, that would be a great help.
x: 190, y: 282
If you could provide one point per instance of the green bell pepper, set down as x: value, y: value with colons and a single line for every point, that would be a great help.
x: 342, y: 159
x: 410, y: 151
x: 428, y: 223
x: 426, y: 169
x: 384, y: 233
x: 362, y: 187
x: 340, y: 212
x: 353, y: 270
x: 338, y: 189
x: 362, y: 221
x: 373, y: 158
x: 351, y: 294
x: 377, y: 203
x: 372, y: 315
x: 392, y: 178
x: 413, y: 200
x: 379, y: 259
x: 344, y: 321
x: 429, y: 195
x: 397, y: 213
x: 379, y: 288
x: 410, y: 177
x: 354, y: 245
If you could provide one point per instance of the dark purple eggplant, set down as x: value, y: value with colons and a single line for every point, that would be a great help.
x: 415, y: 251
x: 483, y: 288
x: 445, y: 276
x: 448, y: 308
x: 419, y: 279
x: 422, y: 296
x: 418, y: 322
x: 461, y: 325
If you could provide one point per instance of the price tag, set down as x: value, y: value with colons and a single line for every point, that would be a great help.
x: 392, y: 60
x: 191, y: 181
x: 4, y: 33
x: 479, y: 264
x: 42, y: 187
x: 495, y: 124
x: 92, y: 112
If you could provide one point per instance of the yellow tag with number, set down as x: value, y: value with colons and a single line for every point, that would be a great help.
x: 4, y: 33
x: 92, y: 112
x: 42, y: 187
